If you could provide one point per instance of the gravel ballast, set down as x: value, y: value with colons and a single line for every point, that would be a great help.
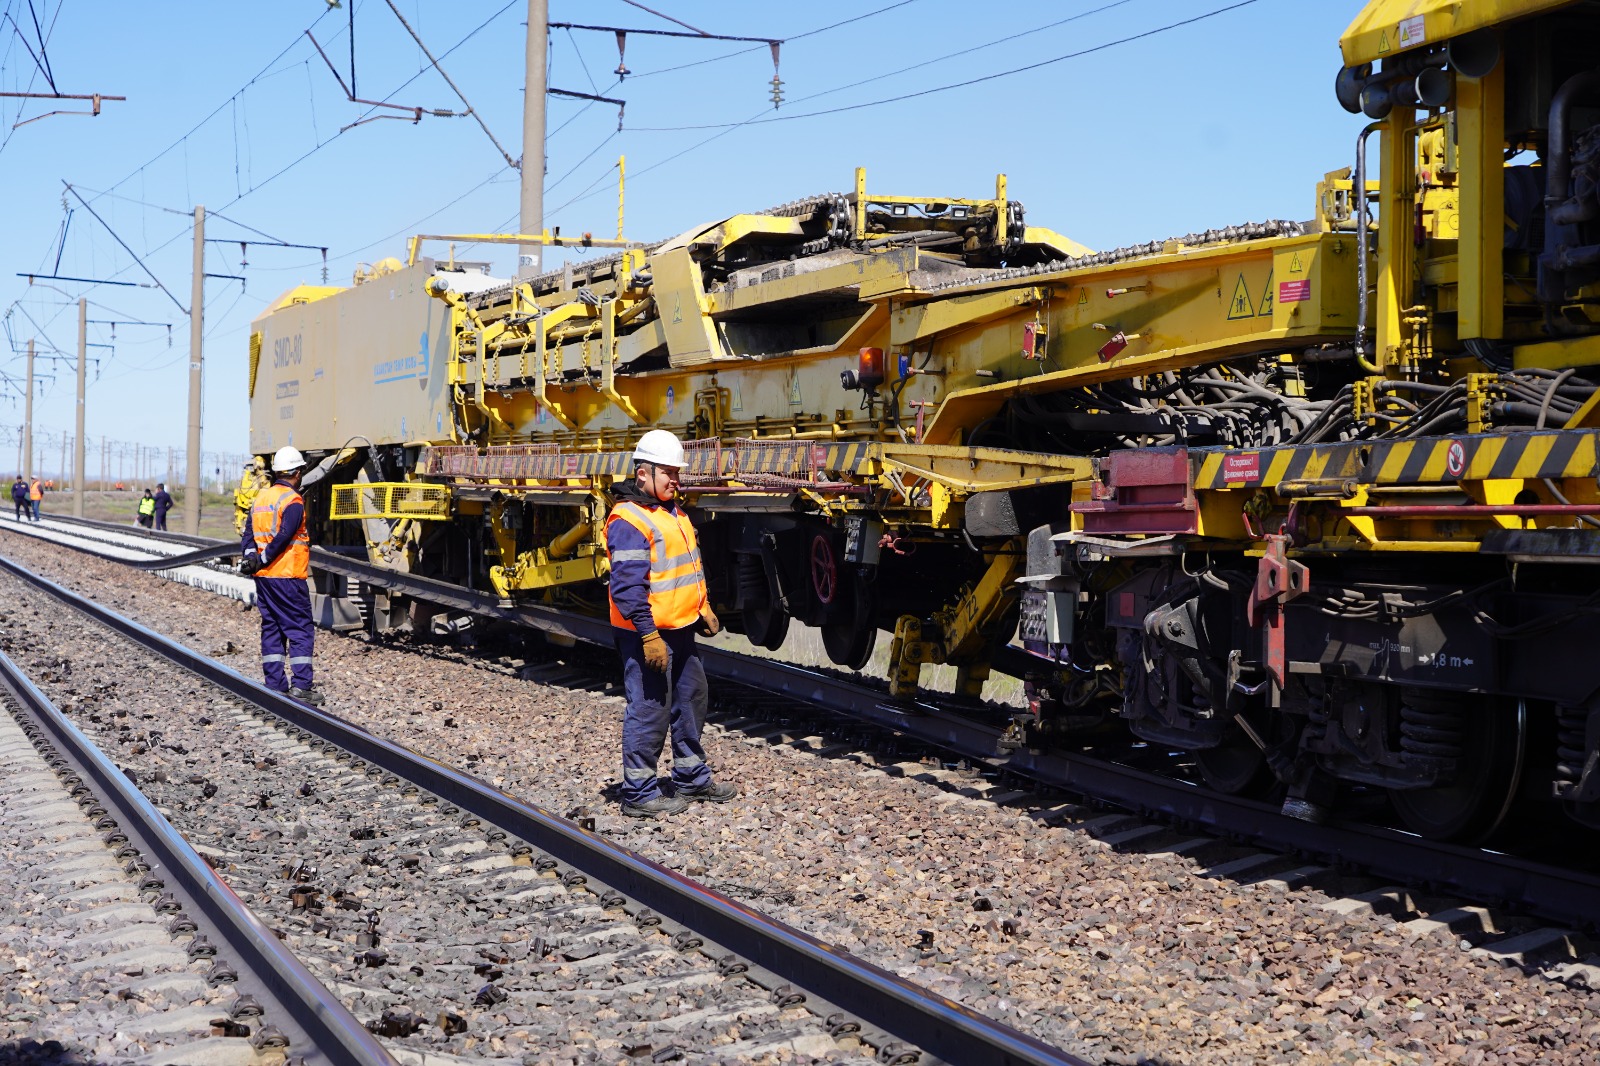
x: 1116, y: 956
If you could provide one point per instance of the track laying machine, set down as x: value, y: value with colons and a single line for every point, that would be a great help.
x: 1315, y: 501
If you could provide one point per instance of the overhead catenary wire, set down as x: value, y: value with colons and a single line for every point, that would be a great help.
x: 1011, y: 72
x: 436, y: 66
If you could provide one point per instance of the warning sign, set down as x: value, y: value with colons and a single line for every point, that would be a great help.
x: 1241, y: 466
x: 1294, y: 265
x: 1455, y: 459
x: 1265, y: 310
x: 1240, y: 305
x: 1411, y: 32
x: 1292, y: 292
x: 737, y: 402
x: 1383, y: 42
x: 794, y: 389
x: 1083, y: 298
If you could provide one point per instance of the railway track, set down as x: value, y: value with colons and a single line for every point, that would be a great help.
x: 148, y: 912
x: 450, y: 916
x: 1477, y: 899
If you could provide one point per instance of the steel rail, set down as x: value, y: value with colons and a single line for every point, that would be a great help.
x: 900, y: 1008
x: 319, y: 1028
x: 1548, y: 891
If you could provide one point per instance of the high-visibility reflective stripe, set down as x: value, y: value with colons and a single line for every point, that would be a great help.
x: 676, y: 581
x: 687, y: 762
x: 666, y: 584
x: 299, y: 660
x: 272, y: 658
x: 631, y: 555
x: 633, y: 774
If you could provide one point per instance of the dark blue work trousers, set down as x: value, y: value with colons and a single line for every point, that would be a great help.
x: 659, y: 701
x: 286, y: 630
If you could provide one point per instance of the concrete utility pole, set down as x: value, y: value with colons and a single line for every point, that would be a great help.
x: 197, y: 325
x: 80, y: 482
x: 533, y: 100
x: 27, y: 419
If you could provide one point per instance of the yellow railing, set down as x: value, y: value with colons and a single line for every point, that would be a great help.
x: 390, y: 499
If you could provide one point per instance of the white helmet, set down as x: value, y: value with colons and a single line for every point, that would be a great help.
x: 287, y: 459
x: 659, y: 446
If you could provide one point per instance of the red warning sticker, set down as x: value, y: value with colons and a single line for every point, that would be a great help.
x: 1245, y: 466
x: 1290, y: 292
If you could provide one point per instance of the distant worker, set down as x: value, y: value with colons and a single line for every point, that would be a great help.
x: 251, y: 482
x: 163, y: 505
x: 35, y: 495
x: 147, y: 509
x: 19, y: 496
x: 276, y: 551
x: 658, y: 599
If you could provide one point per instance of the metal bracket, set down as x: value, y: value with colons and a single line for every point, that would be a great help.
x: 1279, y: 579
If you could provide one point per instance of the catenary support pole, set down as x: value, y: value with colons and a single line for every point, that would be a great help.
x: 529, y: 260
x: 27, y: 419
x: 80, y: 481
x: 197, y: 324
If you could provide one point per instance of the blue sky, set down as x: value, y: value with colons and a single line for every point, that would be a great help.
x: 1228, y: 119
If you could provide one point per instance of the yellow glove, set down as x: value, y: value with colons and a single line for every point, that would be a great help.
x: 710, y: 626
x: 655, y: 652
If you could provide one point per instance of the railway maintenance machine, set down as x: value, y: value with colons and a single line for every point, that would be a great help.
x: 1314, y: 501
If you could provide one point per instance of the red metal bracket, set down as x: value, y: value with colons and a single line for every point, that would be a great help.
x: 1279, y: 579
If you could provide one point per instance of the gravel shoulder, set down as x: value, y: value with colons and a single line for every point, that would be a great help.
x: 1116, y: 956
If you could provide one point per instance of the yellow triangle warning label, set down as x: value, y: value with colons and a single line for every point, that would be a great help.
x: 1240, y: 306
x: 1083, y: 297
x: 1265, y: 309
x: 1383, y: 42
x: 794, y: 389
x: 1294, y: 264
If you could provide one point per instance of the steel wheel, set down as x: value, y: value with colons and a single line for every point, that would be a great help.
x: 1469, y: 810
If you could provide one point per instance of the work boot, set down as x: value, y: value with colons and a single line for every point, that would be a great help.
x: 311, y: 697
x: 659, y: 807
x: 716, y: 792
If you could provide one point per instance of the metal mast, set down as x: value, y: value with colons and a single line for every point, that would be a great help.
x: 528, y: 262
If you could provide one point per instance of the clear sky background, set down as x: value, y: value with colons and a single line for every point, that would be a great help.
x: 1230, y: 118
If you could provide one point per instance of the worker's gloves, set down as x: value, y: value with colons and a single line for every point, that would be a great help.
x: 249, y: 564
x: 709, y: 626
x: 655, y: 652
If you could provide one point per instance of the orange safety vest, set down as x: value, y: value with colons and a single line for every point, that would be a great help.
x: 677, y: 581
x: 265, y: 521
x: 36, y: 490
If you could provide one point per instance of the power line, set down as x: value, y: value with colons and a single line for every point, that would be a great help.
x: 470, y: 109
x: 218, y: 110
x: 961, y: 84
x: 787, y: 40
x: 125, y: 247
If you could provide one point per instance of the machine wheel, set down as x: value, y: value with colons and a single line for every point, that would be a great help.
x: 765, y: 623
x: 850, y: 635
x: 766, y: 626
x: 1494, y: 746
x: 1237, y: 766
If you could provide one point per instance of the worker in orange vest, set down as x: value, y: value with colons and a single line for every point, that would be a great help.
x: 276, y: 551
x: 35, y: 496
x: 658, y: 600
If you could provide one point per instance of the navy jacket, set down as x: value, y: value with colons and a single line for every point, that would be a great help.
x: 163, y: 501
x: 19, y: 491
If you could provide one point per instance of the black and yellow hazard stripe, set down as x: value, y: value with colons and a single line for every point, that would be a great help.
x: 1480, y: 457
x: 793, y: 459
